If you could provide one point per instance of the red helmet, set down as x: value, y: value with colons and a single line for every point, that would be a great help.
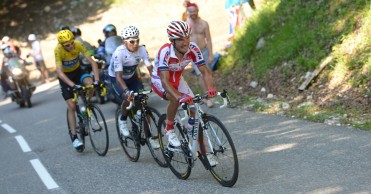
x: 178, y: 29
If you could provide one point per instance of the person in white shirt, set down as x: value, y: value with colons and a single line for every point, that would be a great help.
x: 123, y: 70
x: 38, y: 57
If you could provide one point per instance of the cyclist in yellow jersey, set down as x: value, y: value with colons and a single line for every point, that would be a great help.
x: 71, y: 76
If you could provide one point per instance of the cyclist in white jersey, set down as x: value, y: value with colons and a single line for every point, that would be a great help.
x: 123, y: 70
x: 167, y: 80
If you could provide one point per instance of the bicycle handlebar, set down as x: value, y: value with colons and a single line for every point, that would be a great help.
x: 197, y: 98
x: 133, y: 94
x: 89, y: 87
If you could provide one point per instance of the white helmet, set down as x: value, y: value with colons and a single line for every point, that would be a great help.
x: 31, y: 37
x: 5, y: 39
x: 129, y: 31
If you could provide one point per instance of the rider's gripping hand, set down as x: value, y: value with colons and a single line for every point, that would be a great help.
x: 127, y: 95
x: 77, y: 87
x: 185, y: 98
x: 211, y: 92
x: 96, y: 84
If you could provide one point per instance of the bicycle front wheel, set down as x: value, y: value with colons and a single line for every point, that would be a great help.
x: 176, y: 158
x: 98, y: 132
x: 150, y: 122
x: 128, y: 143
x: 218, y: 144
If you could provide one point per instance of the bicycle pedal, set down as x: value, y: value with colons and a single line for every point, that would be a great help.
x: 142, y: 141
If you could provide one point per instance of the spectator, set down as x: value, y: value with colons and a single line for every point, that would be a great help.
x: 201, y: 36
x: 184, y: 14
x: 237, y: 10
x: 38, y: 57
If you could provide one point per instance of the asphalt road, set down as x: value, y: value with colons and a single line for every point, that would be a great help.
x: 276, y: 155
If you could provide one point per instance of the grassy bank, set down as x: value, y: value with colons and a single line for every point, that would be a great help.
x: 298, y: 36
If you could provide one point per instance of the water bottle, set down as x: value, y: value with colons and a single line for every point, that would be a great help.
x: 191, y: 122
x: 82, y: 107
x: 138, y: 116
x: 83, y: 111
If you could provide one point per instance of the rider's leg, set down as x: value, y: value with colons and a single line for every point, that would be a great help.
x: 71, y: 115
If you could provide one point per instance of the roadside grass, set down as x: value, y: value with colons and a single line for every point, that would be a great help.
x: 303, y: 33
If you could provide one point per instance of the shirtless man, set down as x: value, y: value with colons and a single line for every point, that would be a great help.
x: 201, y: 36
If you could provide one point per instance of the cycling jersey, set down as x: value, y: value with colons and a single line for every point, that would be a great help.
x: 69, y: 60
x: 127, y: 61
x: 166, y: 60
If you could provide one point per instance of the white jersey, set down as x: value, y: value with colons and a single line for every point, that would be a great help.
x: 127, y: 61
x: 36, y: 49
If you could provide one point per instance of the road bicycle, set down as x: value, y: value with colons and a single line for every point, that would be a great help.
x: 91, y: 121
x: 208, y: 139
x: 142, y: 128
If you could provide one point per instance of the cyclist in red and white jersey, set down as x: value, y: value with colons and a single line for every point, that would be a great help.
x: 167, y: 80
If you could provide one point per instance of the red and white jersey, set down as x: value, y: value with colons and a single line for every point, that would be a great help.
x: 166, y: 60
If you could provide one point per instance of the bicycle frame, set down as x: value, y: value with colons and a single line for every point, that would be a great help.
x: 193, y: 140
x: 142, y: 108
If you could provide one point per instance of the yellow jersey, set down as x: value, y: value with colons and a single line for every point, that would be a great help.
x: 69, y: 60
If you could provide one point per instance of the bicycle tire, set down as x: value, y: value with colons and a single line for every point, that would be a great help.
x: 79, y: 130
x: 227, y: 169
x: 177, y: 161
x: 155, y: 152
x: 130, y: 146
x: 97, y: 130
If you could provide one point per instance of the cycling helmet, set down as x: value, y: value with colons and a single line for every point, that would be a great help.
x: 76, y: 31
x: 64, y: 36
x: 178, y: 29
x: 109, y: 28
x: 8, y: 52
x: 31, y: 37
x: 5, y: 39
x: 64, y: 27
x: 129, y: 31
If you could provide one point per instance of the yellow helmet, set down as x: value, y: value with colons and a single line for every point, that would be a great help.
x: 64, y: 36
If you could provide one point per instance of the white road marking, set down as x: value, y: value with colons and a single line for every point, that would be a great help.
x: 22, y: 142
x: 8, y: 128
x: 43, y: 174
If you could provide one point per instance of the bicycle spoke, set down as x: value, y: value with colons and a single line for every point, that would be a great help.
x: 219, y: 145
x: 98, y: 131
x: 128, y: 144
x: 150, y: 124
x: 177, y: 160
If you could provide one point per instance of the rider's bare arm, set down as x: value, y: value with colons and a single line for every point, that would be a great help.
x: 120, y: 81
x: 63, y: 76
x: 94, y: 66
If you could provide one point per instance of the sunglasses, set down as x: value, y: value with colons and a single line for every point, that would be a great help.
x: 132, y: 41
x: 69, y: 44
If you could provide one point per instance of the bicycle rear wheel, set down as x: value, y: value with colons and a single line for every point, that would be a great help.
x: 97, y: 129
x: 130, y: 146
x: 80, y: 130
x: 177, y: 160
x: 219, y: 145
x: 152, y: 126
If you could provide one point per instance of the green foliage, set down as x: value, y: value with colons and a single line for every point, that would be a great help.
x: 304, y: 33
x: 301, y: 31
